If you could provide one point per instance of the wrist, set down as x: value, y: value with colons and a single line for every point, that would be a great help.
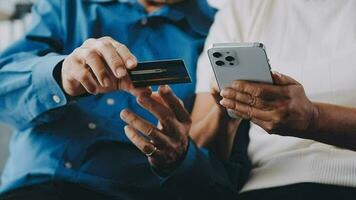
x: 57, y: 75
x: 169, y: 169
x: 314, y: 123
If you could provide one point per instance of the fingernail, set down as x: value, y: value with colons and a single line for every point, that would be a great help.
x: 120, y: 72
x: 107, y: 82
x: 165, y: 88
x: 222, y: 102
x: 277, y: 73
x: 124, y: 113
x: 149, y: 90
x: 144, y: 92
x: 130, y: 63
x: 222, y: 93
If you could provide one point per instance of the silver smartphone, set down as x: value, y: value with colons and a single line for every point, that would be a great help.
x: 239, y: 61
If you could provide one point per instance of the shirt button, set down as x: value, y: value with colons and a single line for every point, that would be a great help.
x: 56, y: 99
x: 110, y: 101
x: 92, y: 126
x: 144, y: 21
x: 68, y: 165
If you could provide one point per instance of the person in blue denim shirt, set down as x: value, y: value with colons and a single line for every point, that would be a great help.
x: 63, y: 93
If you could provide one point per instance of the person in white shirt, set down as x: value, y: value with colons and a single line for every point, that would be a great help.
x: 303, y: 128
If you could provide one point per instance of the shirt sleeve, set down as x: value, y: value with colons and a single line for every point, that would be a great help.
x: 27, y: 87
x: 201, y: 175
x: 229, y: 27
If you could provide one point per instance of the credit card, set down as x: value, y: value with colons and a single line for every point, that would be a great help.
x: 160, y: 72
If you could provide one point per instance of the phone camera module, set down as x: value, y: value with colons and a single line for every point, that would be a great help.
x: 220, y: 63
x: 229, y: 58
x: 217, y: 54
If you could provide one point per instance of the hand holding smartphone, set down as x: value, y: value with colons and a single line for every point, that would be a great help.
x: 239, y: 61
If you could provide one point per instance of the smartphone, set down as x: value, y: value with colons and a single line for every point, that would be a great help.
x: 239, y: 61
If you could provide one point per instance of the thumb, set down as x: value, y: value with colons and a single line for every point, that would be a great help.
x: 281, y: 79
x: 215, y: 92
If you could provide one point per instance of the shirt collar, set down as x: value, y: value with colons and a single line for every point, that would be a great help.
x: 167, y: 11
x: 198, y: 13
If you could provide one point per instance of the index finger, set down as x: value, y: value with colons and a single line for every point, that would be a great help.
x: 111, y: 57
x: 262, y: 90
x: 162, y: 113
x: 125, y: 54
x: 144, y: 127
x: 174, y: 103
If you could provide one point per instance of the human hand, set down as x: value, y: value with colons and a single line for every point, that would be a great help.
x: 282, y: 108
x: 165, y: 145
x: 215, y: 92
x: 99, y: 66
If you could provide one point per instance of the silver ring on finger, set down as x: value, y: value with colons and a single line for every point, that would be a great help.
x: 252, y: 101
x: 150, y: 154
x: 152, y: 142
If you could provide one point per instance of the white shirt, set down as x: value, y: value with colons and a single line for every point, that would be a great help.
x: 217, y: 3
x: 313, y: 41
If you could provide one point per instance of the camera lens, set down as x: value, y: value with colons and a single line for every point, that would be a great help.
x: 217, y: 55
x: 219, y: 63
x: 229, y: 58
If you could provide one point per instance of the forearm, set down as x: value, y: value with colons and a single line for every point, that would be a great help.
x: 334, y: 125
x: 204, y: 130
x: 216, y: 131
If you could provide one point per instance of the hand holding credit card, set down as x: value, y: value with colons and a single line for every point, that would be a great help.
x: 161, y: 72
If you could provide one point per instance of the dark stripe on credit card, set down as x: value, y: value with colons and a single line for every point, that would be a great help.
x: 159, y: 73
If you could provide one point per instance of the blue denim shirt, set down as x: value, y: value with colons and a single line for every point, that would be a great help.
x: 82, y: 141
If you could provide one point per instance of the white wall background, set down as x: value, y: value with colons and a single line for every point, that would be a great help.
x: 9, y: 32
x: 5, y: 134
x: 5, y: 40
